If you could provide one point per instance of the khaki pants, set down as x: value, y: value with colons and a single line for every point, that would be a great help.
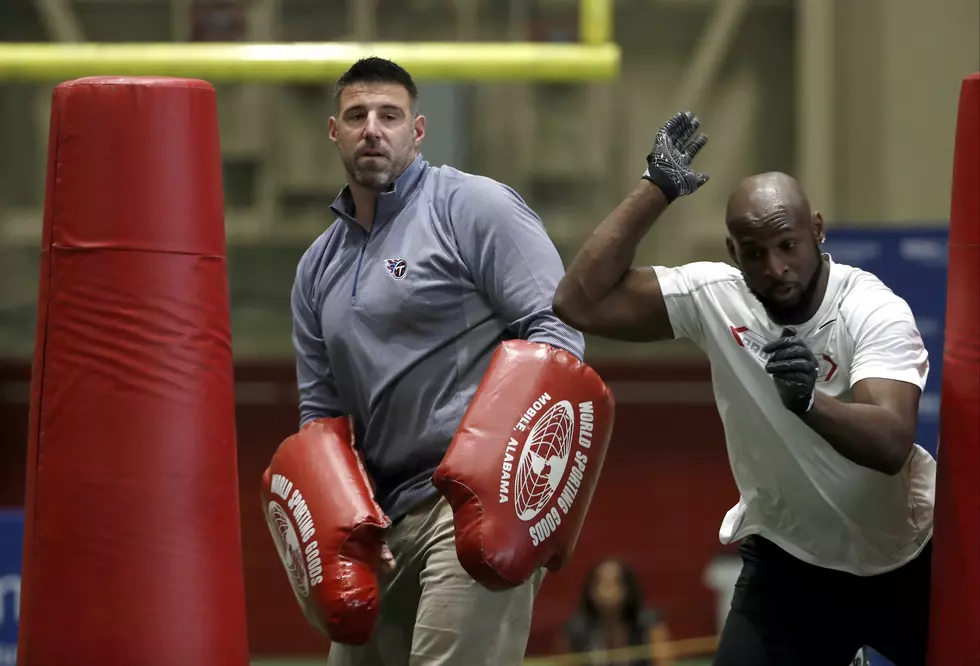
x: 432, y: 612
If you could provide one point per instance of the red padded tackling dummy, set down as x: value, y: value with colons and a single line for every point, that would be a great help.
x: 954, y: 629
x: 327, y: 528
x: 524, y: 463
x: 132, y: 546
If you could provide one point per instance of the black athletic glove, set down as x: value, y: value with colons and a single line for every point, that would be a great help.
x: 669, y: 162
x: 794, y: 369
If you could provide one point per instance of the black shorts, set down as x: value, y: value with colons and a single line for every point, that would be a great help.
x: 786, y: 612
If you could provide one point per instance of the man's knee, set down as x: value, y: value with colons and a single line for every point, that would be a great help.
x: 741, y: 643
x: 460, y: 622
x: 351, y: 655
x: 467, y: 625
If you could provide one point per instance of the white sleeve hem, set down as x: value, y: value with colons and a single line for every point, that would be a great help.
x: 670, y: 290
x: 909, y: 376
x: 668, y: 280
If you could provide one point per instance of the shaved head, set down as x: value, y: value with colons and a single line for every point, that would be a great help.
x: 774, y: 237
x: 761, y: 196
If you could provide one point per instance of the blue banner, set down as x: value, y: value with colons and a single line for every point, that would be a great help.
x: 11, y: 541
x: 913, y: 263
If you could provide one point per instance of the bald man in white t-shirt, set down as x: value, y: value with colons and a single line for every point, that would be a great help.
x: 817, y: 370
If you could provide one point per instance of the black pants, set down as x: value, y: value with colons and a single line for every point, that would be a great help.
x: 786, y: 612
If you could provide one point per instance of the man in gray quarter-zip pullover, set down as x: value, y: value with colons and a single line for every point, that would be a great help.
x: 397, y: 309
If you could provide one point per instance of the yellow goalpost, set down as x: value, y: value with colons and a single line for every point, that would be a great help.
x: 595, y: 57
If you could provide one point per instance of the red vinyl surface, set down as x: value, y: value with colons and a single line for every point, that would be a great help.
x: 132, y: 546
x: 955, y: 606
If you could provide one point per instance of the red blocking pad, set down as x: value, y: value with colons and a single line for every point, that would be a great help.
x: 132, y: 542
x: 954, y: 631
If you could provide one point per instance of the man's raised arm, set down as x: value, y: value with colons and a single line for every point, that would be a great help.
x: 602, y: 293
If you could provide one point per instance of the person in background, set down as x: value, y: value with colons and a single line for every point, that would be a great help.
x: 612, y: 616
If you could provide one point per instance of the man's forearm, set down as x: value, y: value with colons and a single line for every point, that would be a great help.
x: 867, y: 435
x: 608, y: 253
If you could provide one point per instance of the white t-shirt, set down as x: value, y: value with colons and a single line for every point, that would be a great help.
x: 796, y: 490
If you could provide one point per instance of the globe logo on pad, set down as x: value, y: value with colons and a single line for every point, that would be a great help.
x: 543, y: 460
x: 287, y: 545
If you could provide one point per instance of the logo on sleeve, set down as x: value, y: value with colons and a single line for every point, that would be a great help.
x: 396, y: 267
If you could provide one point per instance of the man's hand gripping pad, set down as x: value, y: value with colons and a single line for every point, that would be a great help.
x: 521, y: 470
x: 320, y: 508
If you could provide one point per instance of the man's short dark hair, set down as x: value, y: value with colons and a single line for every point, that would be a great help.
x: 376, y: 70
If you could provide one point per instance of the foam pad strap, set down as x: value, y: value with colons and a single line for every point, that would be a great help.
x: 132, y: 546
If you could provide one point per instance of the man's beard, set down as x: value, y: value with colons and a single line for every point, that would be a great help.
x: 798, y: 311
x: 377, y: 179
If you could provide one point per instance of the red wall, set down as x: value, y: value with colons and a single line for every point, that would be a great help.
x: 659, y: 503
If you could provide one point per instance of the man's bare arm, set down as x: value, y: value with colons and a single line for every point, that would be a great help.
x: 601, y: 293
x: 877, y: 430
